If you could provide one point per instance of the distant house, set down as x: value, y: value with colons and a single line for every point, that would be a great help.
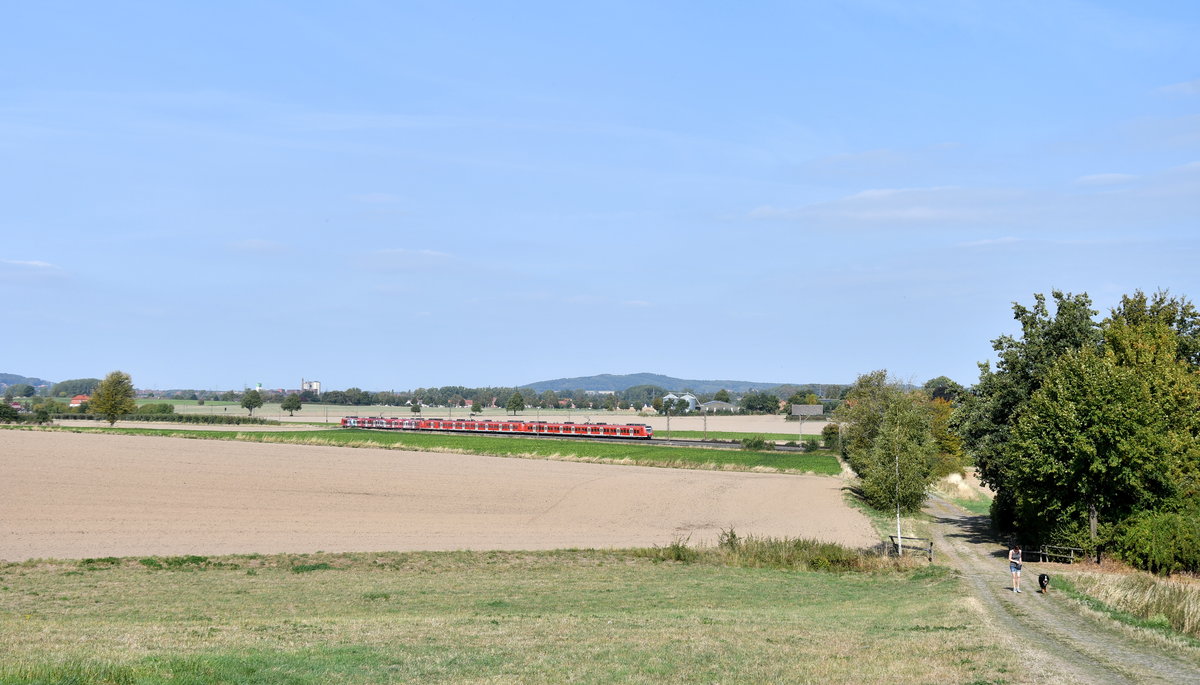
x: 79, y: 399
x: 717, y: 405
x: 686, y: 397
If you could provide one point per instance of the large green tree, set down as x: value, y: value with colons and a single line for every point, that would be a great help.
x: 75, y: 386
x: 943, y: 388
x: 987, y: 415
x: 1082, y: 425
x: 1176, y: 313
x: 516, y: 403
x: 113, y: 398
x: 252, y: 400
x: 888, y: 440
x: 1109, y: 434
x: 291, y: 404
x: 898, y: 469
x: 761, y: 402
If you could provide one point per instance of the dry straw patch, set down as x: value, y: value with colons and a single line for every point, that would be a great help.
x: 1172, y: 601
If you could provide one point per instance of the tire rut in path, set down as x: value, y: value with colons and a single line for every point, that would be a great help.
x: 1078, y: 647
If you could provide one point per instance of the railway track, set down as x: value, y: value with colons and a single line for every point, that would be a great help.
x: 675, y: 442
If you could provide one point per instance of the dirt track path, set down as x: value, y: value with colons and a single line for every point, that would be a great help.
x: 1072, y: 646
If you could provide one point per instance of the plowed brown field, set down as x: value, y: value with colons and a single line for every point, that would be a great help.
x: 70, y: 495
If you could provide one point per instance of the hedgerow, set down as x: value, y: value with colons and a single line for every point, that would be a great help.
x: 1160, y: 542
x: 204, y: 419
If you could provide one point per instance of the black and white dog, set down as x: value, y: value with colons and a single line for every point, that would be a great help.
x: 1044, y: 583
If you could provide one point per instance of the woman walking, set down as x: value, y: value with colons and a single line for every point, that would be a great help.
x: 1014, y: 566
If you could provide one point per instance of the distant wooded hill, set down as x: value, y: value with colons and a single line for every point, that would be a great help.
x: 618, y: 383
x: 7, y: 379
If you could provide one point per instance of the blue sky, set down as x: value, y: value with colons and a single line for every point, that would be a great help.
x: 393, y: 195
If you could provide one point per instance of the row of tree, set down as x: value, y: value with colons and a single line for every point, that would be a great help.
x: 1084, y: 425
x: 1088, y: 431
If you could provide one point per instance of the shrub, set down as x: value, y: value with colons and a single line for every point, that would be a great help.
x: 8, y: 414
x: 728, y: 540
x: 829, y: 435
x: 678, y: 550
x: 1160, y: 542
x: 156, y: 408
x: 757, y: 443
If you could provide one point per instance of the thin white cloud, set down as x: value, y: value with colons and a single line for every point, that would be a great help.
x: 256, y: 246
x: 403, y: 259
x: 1185, y: 88
x: 376, y: 198
x: 637, y: 303
x: 990, y: 242
x: 29, y: 271
x: 33, y: 264
x: 1104, y: 179
x: 877, y: 193
x: 882, y: 206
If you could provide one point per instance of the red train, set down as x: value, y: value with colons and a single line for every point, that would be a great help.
x: 631, y: 431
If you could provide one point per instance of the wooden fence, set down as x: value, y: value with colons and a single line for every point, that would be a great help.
x: 926, y: 546
x: 1063, y: 555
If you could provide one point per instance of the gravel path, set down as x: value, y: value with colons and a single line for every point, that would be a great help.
x: 1062, y: 642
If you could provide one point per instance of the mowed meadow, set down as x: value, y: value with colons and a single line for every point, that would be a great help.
x: 677, y: 611
x: 604, y: 616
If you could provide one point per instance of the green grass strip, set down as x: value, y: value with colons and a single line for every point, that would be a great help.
x: 626, y: 452
x: 582, y: 616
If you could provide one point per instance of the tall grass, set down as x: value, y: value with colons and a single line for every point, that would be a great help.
x: 1168, y: 602
x: 798, y: 554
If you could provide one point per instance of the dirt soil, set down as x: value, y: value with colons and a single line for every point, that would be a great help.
x: 71, y: 495
x: 1059, y: 642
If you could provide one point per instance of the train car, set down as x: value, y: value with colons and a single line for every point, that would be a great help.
x: 619, y: 431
